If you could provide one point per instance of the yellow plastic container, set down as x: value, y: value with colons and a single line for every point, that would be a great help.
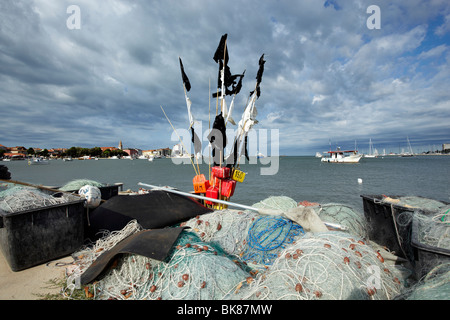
x: 238, y: 175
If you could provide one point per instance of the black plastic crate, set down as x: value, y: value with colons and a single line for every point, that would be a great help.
x: 32, y: 237
x: 389, y: 225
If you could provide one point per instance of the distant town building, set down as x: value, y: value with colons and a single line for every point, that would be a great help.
x: 18, y: 150
x: 165, y: 152
x: 120, y: 145
x: 134, y: 153
x: 446, y: 147
x: 108, y: 148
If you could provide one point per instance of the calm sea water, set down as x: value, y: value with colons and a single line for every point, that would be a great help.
x: 301, y: 178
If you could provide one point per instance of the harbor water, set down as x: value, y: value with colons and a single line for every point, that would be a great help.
x: 300, y: 178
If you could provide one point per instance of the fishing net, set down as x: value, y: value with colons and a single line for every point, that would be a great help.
x: 415, y: 202
x: 276, y: 203
x: 256, y: 239
x: 232, y: 254
x: 267, y: 237
x: 434, y: 286
x: 22, y: 198
x: 343, y: 215
x: 227, y: 228
x: 194, y: 270
x: 75, y: 185
x: 330, y: 265
x: 433, y: 229
x: 430, y: 239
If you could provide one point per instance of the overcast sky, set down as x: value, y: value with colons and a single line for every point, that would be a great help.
x: 328, y: 77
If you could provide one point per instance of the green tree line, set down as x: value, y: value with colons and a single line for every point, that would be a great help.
x: 76, y: 152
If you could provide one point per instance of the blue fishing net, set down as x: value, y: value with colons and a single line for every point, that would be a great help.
x: 267, y: 236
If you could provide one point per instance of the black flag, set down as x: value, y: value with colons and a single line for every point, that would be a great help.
x: 221, y: 50
x: 221, y: 57
x: 218, y: 138
x: 238, y: 87
x: 259, y: 76
x: 196, y: 141
x: 186, y: 82
x: 246, y: 148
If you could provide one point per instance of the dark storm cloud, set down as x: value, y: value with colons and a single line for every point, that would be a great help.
x: 327, y: 76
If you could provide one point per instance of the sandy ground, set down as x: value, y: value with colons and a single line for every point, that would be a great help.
x: 28, y: 283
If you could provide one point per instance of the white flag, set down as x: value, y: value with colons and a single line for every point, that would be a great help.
x: 191, y: 117
x: 229, y: 118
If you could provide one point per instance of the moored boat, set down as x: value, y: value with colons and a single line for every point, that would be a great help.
x: 37, y: 161
x: 342, y: 156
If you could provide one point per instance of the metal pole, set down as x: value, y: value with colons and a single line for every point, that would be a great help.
x: 262, y: 211
x: 200, y: 197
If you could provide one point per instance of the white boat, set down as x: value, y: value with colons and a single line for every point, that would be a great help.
x: 260, y: 155
x: 179, y: 152
x: 68, y: 159
x: 340, y: 156
x: 318, y: 155
x: 37, y: 161
x: 373, y: 153
x: 409, y: 153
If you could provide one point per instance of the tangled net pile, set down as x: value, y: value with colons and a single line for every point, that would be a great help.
x: 434, y: 286
x: 345, y: 216
x: 329, y: 265
x: 227, y: 228
x: 194, y: 270
x: 22, y: 198
x: 434, y: 229
x: 79, y: 183
x: 267, y: 236
x: 415, y: 202
x: 231, y: 254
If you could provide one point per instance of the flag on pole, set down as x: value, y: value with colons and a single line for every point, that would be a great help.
x: 186, y: 82
x: 221, y: 50
x: 226, y: 82
x: 218, y: 139
x: 259, y: 76
x: 187, y: 85
x: 196, y: 141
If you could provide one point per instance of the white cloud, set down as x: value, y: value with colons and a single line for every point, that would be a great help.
x: 326, y: 73
x: 317, y: 98
x: 444, y: 28
x: 433, y: 52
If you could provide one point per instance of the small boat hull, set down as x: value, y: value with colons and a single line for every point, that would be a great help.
x: 340, y: 157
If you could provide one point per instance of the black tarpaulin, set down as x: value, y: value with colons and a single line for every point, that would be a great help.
x: 157, y: 209
x: 154, y: 244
